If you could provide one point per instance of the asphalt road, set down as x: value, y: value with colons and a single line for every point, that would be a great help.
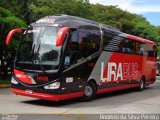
x: 126, y: 101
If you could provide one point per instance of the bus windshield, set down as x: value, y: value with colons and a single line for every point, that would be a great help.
x: 38, y: 49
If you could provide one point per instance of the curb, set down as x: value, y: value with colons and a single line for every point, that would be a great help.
x: 5, y: 85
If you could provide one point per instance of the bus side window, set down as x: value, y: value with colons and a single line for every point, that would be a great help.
x: 136, y: 48
x: 106, y: 40
x: 151, y: 49
x: 142, y: 50
x: 112, y: 42
x: 90, y: 40
x: 125, y: 46
x: 73, y: 49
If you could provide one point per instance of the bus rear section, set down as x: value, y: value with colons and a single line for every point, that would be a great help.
x: 64, y: 57
x: 126, y: 61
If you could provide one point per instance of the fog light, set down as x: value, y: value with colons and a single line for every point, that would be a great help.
x: 13, y: 81
x: 54, y: 85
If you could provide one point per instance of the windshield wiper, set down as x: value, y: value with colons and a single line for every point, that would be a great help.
x: 35, y: 58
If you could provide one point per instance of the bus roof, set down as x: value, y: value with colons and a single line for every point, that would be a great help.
x: 76, y: 22
x: 70, y: 21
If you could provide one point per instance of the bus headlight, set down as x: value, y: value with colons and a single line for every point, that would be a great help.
x: 54, y: 85
x: 13, y: 81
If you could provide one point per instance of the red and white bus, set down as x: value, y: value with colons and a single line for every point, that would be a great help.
x: 61, y: 57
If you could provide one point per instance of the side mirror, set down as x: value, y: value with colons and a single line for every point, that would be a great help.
x: 11, y: 33
x: 61, y: 35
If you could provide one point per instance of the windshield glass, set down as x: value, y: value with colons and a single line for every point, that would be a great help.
x: 38, y: 49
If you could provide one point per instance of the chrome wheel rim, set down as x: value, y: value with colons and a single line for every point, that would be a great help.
x: 142, y: 84
x: 88, y: 91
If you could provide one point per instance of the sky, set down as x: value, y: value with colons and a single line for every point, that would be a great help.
x: 150, y: 9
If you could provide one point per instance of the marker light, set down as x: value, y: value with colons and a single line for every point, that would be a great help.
x: 54, y: 85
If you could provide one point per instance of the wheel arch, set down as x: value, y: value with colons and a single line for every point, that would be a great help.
x: 94, y: 81
x: 143, y: 78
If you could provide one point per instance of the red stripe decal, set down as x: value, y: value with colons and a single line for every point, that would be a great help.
x: 119, y: 82
x: 47, y: 96
x: 103, y: 90
x: 148, y: 83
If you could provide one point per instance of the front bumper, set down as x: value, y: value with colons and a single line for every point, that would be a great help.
x: 44, y: 96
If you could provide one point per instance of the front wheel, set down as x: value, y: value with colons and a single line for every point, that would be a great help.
x: 89, y: 92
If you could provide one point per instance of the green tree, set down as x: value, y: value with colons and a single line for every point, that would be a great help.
x: 18, y: 13
x: 7, y: 22
x: 41, y: 8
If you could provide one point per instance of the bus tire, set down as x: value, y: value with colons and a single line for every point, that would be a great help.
x: 141, y: 84
x: 90, y: 91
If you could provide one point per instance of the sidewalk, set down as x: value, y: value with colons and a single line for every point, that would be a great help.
x: 5, y: 85
x: 158, y: 78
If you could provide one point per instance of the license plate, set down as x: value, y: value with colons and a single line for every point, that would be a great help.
x: 29, y: 91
